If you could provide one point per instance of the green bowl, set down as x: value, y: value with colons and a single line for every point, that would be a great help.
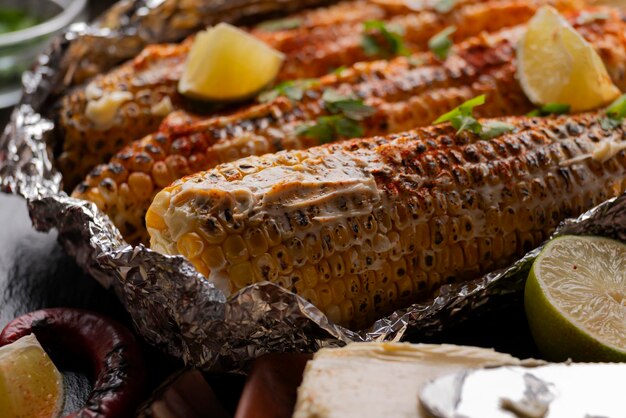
x: 28, y: 26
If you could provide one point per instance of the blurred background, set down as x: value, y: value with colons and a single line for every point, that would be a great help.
x: 26, y: 28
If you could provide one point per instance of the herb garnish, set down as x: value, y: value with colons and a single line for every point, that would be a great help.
x: 615, y: 113
x: 346, y: 113
x: 462, y: 119
x: 444, y: 6
x: 550, y: 109
x: 441, y: 43
x: 276, y: 25
x: 293, y: 89
x: 383, y: 40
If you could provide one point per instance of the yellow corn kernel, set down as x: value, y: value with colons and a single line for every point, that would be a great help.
x: 342, y: 237
x: 190, y: 245
x: 333, y: 313
x: 383, y: 275
x: 422, y: 235
x: 241, y: 274
x: 400, y: 216
x: 492, y: 221
x: 140, y: 185
x: 384, y: 221
x: 324, y: 296
x: 434, y: 281
x: 310, y: 295
x: 354, y: 228
x: 368, y: 281
x: 297, y: 251
x: 235, y: 249
x: 457, y: 260
x: 509, y: 220
x: 309, y: 276
x: 405, y: 288
x: 510, y: 244
x: 438, y: 233
x: 421, y: 281
x: 327, y: 240
x: 273, y: 233
x: 265, y: 267
x: 325, y: 273
x: 391, y: 294
x: 470, y: 251
x: 353, y: 285
x: 347, y: 311
x: 368, y: 224
x: 484, y: 249
x: 426, y: 260
x: 362, y: 306
x: 407, y: 240
x: 153, y: 220
x: 298, y: 284
x: 442, y: 259
x: 200, y: 266
x: 338, y: 288
x: 283, y: 258
x: 398, y: 269
x: 214, y: 257
x: 396, y: 247
x: 466, y: 227
x: 313, y: 248
x: 454, y: 230
x: 379, y: 300
x: 337, y: 266
x: 256, y: 242
x: 497, y: 247
x: 352, y: 261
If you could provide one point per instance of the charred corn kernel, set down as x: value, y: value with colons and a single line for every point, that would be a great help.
x: 353, y: 285
x: 369, y: 225
x: 190, y: 245
x: 283, y: 258
x: 273, y: 233
x: 325, y: 273
x: 337, y: 265
x: 265, y: 267
x: 321, y: 244
x: 212, y: 231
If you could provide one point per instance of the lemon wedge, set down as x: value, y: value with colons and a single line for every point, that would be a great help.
x: 228, y: 64
x: 30, y: 384
x: 575, y: 299
x: 557, y: 65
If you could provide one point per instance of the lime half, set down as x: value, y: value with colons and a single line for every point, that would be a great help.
x: 557, y: 65
x: 30, y: 384
x: 228, y: 64
x: 575, y: 299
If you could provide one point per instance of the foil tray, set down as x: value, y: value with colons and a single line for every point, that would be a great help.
x: 171, y: 304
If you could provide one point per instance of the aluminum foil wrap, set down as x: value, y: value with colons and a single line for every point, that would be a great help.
x: 172, y: 305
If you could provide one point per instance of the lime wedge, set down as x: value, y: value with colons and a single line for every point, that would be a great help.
x: 575, y: 299
x: 30, y: 384
x: 557, y: 65
x: 228, y: 64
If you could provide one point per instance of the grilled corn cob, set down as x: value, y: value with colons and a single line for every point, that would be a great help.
x: 135, y: 97
x: 404, y: 96
x: 363, y: 227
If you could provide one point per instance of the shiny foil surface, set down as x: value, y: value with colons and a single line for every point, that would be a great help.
x: 172, y: 305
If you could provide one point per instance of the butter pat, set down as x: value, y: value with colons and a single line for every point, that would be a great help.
x: 382, y: 379
x: 102, y: 111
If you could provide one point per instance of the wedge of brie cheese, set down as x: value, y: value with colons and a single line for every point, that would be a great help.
x: 381, y: 379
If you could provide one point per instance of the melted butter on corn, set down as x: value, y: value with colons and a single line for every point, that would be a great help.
x: 102, y: 111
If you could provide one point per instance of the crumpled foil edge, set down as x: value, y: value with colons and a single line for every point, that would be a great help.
x: 172, y: 305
